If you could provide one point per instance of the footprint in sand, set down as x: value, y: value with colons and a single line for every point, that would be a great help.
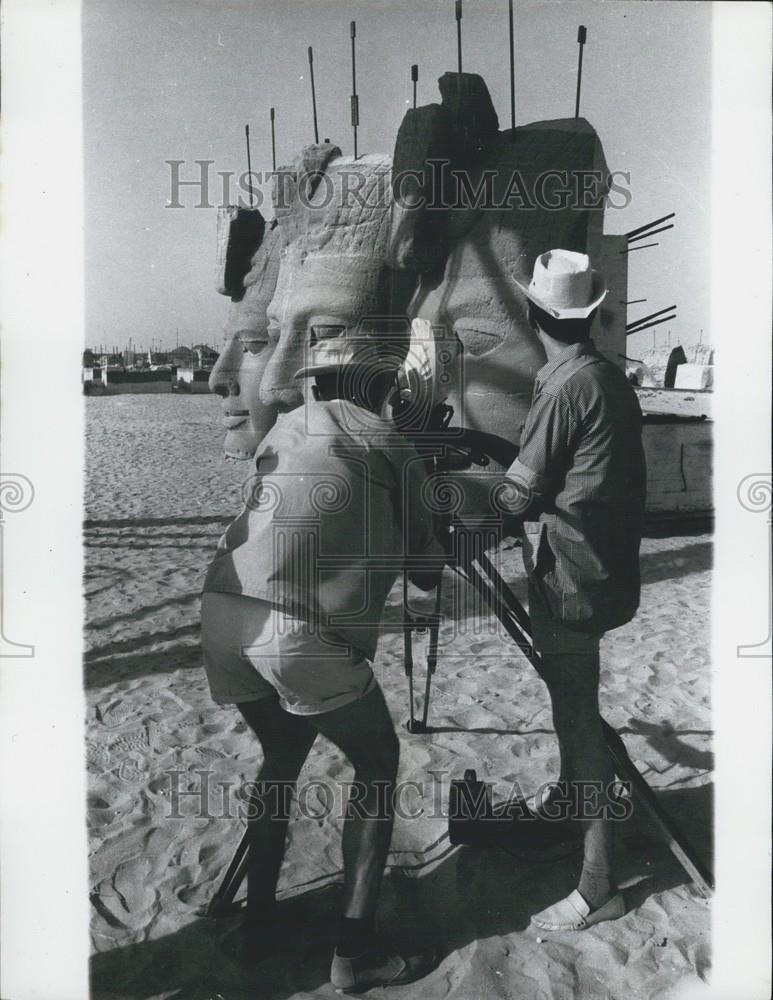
x: 115, y: 713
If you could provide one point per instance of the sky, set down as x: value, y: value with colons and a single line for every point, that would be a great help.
x: 178, y: 80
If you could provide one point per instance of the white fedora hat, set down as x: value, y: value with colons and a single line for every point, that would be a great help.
x: 565, y: 285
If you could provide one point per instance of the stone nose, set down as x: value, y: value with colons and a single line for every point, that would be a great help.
x: 277, y: 386
x: 223, y: 379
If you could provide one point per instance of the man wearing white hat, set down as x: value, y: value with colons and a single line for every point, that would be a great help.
x: 579, y: 481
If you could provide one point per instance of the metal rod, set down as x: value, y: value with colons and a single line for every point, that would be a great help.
x: 642, y: 246
x: 273, y: 142
x: 649, y: 225
x: 355, y: 101
x: 512, y: 66
x: 231, y: 881
x: 582, y: 36
x: 249, y: 166
x: 313, y: 95
x: 434, y: 630
x: 415, y: 79
x: 646, y: 319
x: 459, y: 34
x: 650, y: 232
x: 408, y: 649
x: 679, y: 846
x: 655, y: 322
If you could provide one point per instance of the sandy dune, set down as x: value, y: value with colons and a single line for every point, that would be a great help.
x: 158, y: 496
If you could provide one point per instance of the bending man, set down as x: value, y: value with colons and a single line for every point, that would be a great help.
x: 290, y: 616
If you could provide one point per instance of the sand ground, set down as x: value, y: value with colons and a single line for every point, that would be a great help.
x: 158, y: 496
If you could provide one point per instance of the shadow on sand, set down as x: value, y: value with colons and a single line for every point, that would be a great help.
x: 471, y: 895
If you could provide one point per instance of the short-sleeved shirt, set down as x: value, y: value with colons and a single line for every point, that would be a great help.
x: 581, y: 470
x: 334, y: 511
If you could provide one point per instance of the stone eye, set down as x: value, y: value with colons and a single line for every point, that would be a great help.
x: 252, y: 345
x: 478, y: 343
x: 326, y: 331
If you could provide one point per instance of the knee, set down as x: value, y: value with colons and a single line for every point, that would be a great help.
x: 380, y: 761
x: 281, y: 765
x: 389, y: 756
x: 392, y: 755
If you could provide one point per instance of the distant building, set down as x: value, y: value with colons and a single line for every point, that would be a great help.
x: 192, y: 380
x: 118, y: 380
x: 206, y: 356
x: 113, y: 360
x: 183, y: 357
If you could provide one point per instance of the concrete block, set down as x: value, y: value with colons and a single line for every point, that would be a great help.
x: 694, y: 377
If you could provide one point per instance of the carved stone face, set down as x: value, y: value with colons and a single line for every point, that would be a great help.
x: 477, y: 303
x: 247, y: 347
x: 317, y: 295
x: 476, y: 297
x: 333, y: 273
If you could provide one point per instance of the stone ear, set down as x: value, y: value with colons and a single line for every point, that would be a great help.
x: 432, y: 142
x: 467, y: 101
x: 239, y: 235
x: 294, y: 185
x: 423, y: 149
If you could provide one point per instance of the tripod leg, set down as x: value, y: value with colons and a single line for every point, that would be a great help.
x: 408, y: 652
x: 517, y: 624
x: 434, y: 631
x: 408, y: 655
x: 232, y: 879
x: 431, y: 664
x: 678, y: 844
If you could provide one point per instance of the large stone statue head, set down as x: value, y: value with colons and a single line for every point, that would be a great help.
x: 506, y: 198
x: 476, y: 207
x: 336, y: 216
x: 246, y: 244
x: 442, y: 234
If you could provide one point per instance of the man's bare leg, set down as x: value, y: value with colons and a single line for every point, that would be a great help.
x: 572, y: 680
x: 286, y: 740
x: 364, y: 732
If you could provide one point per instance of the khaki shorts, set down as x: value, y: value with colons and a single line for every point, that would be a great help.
x: 252, y: 650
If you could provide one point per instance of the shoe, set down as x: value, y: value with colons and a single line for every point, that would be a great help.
x: 574, y: 913
x: 377, y: 968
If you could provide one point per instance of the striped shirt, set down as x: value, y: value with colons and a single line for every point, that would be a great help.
x: 581, y: 472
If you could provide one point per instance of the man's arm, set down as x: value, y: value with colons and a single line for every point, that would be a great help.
x: 537, y: 475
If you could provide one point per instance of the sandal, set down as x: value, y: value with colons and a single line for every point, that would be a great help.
x: 574, y: 913
x: 377, y: 968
